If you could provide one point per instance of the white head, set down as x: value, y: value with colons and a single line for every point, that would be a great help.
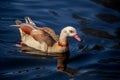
x: 70, y: 31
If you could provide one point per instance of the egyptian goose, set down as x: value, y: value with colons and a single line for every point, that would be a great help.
x: 45, y: 39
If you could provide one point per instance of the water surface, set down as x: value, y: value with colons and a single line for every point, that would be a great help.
x: 97, y: 57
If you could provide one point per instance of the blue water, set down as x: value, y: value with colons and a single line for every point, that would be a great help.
x: 97, y: 57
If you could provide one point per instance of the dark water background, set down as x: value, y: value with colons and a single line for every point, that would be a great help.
x: 97, y: 22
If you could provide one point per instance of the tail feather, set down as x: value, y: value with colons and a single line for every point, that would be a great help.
x: 15, y: 26
x: 29, y: 21
x: 18, y: 22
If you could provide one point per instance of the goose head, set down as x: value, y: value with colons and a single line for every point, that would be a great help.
x: 70, y: 31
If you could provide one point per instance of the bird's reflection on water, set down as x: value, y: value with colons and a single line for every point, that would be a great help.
x: 62, y: 59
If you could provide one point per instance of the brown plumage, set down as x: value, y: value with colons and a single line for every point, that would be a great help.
x: 44, y: 38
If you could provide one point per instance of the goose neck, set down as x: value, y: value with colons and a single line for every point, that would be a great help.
x: 63, y: 41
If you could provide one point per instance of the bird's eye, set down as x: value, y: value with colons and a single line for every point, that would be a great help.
x: 71, y: 31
